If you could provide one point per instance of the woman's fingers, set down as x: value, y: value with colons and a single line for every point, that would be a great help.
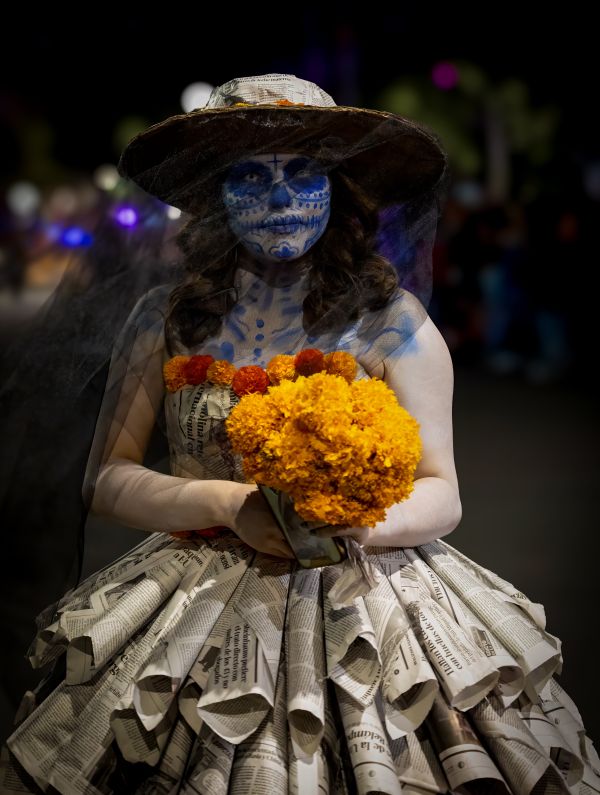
x: 286, y: 550
x: 277, y: 545
x: 361, y: 534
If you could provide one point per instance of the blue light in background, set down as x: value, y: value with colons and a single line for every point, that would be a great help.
x: 74, y: 236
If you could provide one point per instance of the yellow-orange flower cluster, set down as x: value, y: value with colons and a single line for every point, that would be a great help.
x: 281, y: 367
x: 220, y: 372
x: 341, y: 363
x: 343, y: 451
x: 173, y: 372
x: 180, y: 371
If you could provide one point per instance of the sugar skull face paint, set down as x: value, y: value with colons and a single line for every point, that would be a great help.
x: 278, y: 204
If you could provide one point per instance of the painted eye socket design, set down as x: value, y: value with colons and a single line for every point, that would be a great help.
x: 305, y: 175
x: 248, y: 179
x: 253, y: 180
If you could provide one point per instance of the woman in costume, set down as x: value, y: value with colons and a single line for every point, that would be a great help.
x: 206, y: 660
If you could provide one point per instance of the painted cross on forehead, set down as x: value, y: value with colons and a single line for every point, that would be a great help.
x: 278, y: 204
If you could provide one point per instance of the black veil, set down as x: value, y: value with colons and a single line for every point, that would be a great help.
x: 69, y: 377
x: 53, y: 377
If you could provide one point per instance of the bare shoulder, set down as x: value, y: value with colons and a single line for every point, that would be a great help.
x: 406, y: 339
x: 421, y: 375
x: 426, y: 351
x: 399, y: 335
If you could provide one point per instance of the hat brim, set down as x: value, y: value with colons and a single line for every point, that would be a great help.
x: 183, y: 159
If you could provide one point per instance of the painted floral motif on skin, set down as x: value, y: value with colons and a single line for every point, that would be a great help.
x: 278, y: 204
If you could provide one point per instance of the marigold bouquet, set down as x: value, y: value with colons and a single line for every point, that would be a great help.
x: 343, y: 451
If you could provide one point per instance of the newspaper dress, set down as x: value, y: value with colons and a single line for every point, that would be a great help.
x: 201, y: 666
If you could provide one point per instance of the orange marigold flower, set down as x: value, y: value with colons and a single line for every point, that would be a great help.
x: 344, y: 452
x: 287, y: 102
x: 250, y: 378
x: 173, y: 372
x: 281, y: 366
x: 195, y: 370
x: 247, y: 437
x: 309, y: 361
x: 341, y: 363
x: 221, y: 372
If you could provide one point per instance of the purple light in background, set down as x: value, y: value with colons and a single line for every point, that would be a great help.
x: 127, y: 216
x: 53, y: 232
x: 444, y: 75
x: 73, y: 237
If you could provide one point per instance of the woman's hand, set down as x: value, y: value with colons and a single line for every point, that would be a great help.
x: 251, y: 519
x: 361, y: 534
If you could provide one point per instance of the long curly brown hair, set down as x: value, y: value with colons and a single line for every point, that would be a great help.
x: 346, y: 276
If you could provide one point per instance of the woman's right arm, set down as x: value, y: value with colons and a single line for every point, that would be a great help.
x: 117, y: 485
x: 129, y: 493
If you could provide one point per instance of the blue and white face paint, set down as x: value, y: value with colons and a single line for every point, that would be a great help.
x: 278, y: 204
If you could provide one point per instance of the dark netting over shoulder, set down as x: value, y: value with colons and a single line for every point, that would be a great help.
x: 134, y: 384
x: 91, y: 357
x: 386, y: 331
x: 54, y: 375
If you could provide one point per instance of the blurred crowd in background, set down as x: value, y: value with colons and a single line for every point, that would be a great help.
x: 515, y: 243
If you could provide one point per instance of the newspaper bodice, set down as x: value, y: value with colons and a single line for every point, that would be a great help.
x: 198, y: 442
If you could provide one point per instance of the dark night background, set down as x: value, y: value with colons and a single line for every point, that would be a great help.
x: 525, y: 443
x: 83, y: 76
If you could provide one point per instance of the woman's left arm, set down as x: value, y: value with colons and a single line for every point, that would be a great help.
x: 420, y: 373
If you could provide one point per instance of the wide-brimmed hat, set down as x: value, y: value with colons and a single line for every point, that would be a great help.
x: 183, y: 159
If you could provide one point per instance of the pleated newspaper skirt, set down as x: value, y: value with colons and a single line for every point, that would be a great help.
x: 204, y: 667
